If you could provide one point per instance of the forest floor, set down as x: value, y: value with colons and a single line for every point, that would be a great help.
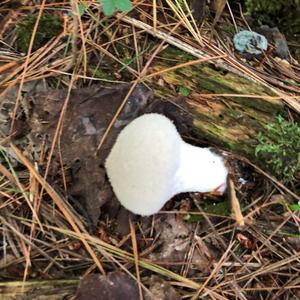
x: 70, y: 79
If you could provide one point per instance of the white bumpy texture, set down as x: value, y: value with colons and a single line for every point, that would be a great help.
x: 150, y: 163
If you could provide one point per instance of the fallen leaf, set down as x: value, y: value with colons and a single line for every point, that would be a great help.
x: 114, y: 286
x: 88, y: 114
x: 161, y: 289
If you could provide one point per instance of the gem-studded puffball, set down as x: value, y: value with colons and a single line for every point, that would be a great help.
x: 150, y: 163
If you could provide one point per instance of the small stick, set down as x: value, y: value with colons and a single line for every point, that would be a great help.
x: 136, y: 257
x: 235, y: 204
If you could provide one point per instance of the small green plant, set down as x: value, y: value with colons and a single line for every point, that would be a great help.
x: 111, y: 6
x: 279, y: 148
x: 49, y: 26
x: 184, y: 91
x: 294, y: 207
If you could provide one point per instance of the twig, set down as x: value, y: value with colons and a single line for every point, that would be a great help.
x: 136, y: 257
x: 177, y: 43
x: 235, y: 204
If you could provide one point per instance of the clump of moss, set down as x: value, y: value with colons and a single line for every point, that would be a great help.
x: 49, y: 26
x: 283, y: 14
x: 279, y: 148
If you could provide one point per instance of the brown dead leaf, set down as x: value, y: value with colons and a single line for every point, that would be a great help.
x: 244, y: 241
x: 175, y: 242
x: 114, y: 286
x: 218, y: 6
x: 161, y: 289
x: 198, y: 9
x: 294, y: 242
x: 88, y: 114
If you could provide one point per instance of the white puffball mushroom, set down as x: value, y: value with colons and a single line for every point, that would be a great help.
x: 150, y: 163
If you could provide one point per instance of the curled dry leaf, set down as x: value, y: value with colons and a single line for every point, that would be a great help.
x: 244, y: 241
x: 175, y: 242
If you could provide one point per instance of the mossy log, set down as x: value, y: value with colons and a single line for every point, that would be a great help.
x: 228, y: 110
x: 41, y: 290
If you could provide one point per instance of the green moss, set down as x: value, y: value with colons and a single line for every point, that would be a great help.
x: 279, y: 148
x: 229, y: 28
x: 183, y: 91
x: 204, y: 77
x: 102, y: 74
x: 175, y: 54
x: 282, y: 14
x: 215, y: 208
x: 224, y: 137
x: 49, y: 26
x: 229, y: 121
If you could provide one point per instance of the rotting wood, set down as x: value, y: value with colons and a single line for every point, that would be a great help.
x: 40, y: 290
x: 225, y: 63
x: 228, y: 110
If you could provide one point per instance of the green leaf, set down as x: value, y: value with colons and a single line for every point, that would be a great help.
x: 111, y: 6
x: 124, y: 5
x: 219, y: 208
x: 184, y: 91
x: 193, y: 218
x: 107, y: 6
x: 278, y: 148
x: 294, y: 207
x: 81, y: 8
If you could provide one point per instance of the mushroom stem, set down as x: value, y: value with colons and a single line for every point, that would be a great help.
x: 191, y: 175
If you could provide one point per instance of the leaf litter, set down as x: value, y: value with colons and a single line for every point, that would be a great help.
x: 210, y: 256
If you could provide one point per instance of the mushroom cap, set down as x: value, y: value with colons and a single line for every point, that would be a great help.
x: 142, y: 163
x: 150, y: 163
